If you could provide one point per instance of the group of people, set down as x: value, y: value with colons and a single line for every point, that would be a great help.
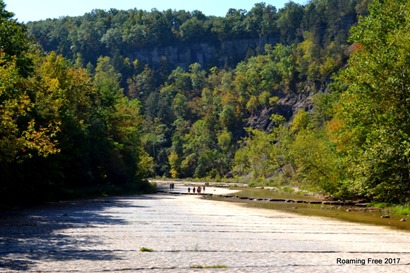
x: 197, y: 189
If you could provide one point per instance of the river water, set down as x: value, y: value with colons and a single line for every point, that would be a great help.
x: 189, y: 234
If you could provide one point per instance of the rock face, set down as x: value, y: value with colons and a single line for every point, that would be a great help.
x: 220, y: 54
x: 287, y: 106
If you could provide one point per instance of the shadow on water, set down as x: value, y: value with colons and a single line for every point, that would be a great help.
x: 31, y: 235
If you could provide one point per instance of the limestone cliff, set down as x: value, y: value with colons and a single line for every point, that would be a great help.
x: 221, y: 54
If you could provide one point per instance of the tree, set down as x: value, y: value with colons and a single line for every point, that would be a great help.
x: 316, y: 161
x: 116, y: 129
x: 289, y: 21
x: 194, y: 30
x: 371, y: 125
x: 261, y: 20
x: 13, y: 41
x: 257, y: 155
x: 198, y: 156
x: 28, y: 121
x: 107, y: 80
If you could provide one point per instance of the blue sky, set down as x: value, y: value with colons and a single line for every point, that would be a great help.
x: 33, y: 10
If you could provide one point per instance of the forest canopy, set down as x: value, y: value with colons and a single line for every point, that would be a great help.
x: 313, y: 96
x: 61, y: 128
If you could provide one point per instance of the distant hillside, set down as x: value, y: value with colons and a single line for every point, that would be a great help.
x: 181, y: 38
x: 225, y: 73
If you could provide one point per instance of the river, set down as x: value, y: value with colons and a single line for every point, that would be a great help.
x: 186, y: 233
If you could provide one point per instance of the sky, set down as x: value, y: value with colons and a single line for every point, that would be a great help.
x: 34, y: 10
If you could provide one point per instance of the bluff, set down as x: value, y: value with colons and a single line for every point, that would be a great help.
x: 219, y: 54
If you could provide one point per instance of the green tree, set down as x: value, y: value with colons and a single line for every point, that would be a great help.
x: 300, y: 121
x: 195, y: 30
x: 261, y: 20
x: 28, y: 120
x: 315, y: 161
x: 107, y: 80
x: 116, y: 128
x: 257, y: 155
x: 289, y: 21
x: 371, y: 125
x: 13, y: 41
x: 199, y: 157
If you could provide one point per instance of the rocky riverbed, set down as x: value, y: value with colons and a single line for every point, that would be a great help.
x: 186, y: 233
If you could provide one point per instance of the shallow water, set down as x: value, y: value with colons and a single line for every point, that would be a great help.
x: 355, y: 214
x: 190, y: 234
